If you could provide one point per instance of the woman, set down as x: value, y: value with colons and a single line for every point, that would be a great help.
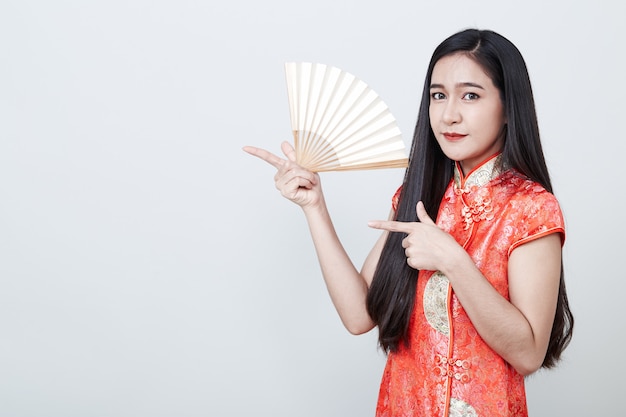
x: 468, y: 305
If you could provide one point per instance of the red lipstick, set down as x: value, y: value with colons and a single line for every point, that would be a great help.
x: 453, y: 136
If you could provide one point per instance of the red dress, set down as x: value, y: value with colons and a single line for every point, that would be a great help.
x: 448, y: 370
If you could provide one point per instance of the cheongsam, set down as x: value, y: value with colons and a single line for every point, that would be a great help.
x: 447, y: 369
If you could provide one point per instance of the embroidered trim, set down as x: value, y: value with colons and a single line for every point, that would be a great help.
x: 481, y: 207
x: 479, y: 176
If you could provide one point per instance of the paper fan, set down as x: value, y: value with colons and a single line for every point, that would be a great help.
x: 339, y: 122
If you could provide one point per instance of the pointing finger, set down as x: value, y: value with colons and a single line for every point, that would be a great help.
x: 391, y: 226
x: 264, y: 155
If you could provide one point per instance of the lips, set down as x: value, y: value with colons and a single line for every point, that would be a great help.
x: 453, y: 136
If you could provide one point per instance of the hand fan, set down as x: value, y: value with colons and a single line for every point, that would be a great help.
x: 339, y: 122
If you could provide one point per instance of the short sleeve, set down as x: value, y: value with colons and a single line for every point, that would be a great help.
x: 539, y: 215
x: 395, y: 200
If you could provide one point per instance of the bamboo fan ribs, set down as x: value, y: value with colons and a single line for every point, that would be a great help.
x: 339, y: 122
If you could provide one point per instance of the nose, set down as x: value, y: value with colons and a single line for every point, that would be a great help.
x: 451, y: 114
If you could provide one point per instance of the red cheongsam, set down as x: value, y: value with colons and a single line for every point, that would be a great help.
x: 448, y: 370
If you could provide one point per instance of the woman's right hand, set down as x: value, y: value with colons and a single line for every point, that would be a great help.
x: 294, y: 182
x: 346, y: 286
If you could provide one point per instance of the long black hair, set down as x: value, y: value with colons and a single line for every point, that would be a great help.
x: 391, y: 295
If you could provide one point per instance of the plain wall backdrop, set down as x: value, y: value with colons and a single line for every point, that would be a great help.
x: 148, y: 267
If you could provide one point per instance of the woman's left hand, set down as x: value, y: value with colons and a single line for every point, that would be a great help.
x: 426, y: 246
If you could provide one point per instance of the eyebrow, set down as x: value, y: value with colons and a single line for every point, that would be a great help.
x: 463, y: 84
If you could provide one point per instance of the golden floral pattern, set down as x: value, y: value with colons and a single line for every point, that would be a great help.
x: 436, y: 302
x: 479, y: 176
x: 459, y: 408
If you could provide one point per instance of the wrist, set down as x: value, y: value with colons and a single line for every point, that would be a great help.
x: 458, y: 262
x: 316, y: 208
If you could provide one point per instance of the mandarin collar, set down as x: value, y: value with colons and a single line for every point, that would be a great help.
x: 480, y: 175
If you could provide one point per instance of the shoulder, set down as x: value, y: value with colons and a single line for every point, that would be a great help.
x: 520, y: 190
x: 531, y: 210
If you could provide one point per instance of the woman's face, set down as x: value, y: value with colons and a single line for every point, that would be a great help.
x: 466, y: 112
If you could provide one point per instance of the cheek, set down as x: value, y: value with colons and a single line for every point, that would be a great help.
x: 499, y: 118
x: 492, y: 123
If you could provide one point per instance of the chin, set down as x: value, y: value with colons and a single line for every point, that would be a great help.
x: 455, y: 156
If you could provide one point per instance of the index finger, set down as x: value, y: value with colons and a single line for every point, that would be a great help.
x: 264, y: 155
x: 390, y: 226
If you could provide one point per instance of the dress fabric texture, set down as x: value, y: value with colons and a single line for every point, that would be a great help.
x: 447, y: 369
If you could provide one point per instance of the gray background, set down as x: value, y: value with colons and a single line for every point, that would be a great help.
x: 148, y: 267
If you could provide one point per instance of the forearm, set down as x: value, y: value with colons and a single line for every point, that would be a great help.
x: 346, y: 286
x: 499, y: 322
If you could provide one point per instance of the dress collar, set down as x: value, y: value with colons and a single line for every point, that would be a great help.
x: 480, y: 175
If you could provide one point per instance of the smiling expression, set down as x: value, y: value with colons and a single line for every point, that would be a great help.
x: 466, y: 111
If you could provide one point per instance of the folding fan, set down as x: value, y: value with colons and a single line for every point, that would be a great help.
x: 339, y: 122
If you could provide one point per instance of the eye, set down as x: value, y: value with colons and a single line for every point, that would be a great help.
x: 470, y: 96
x: 437, y: 96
